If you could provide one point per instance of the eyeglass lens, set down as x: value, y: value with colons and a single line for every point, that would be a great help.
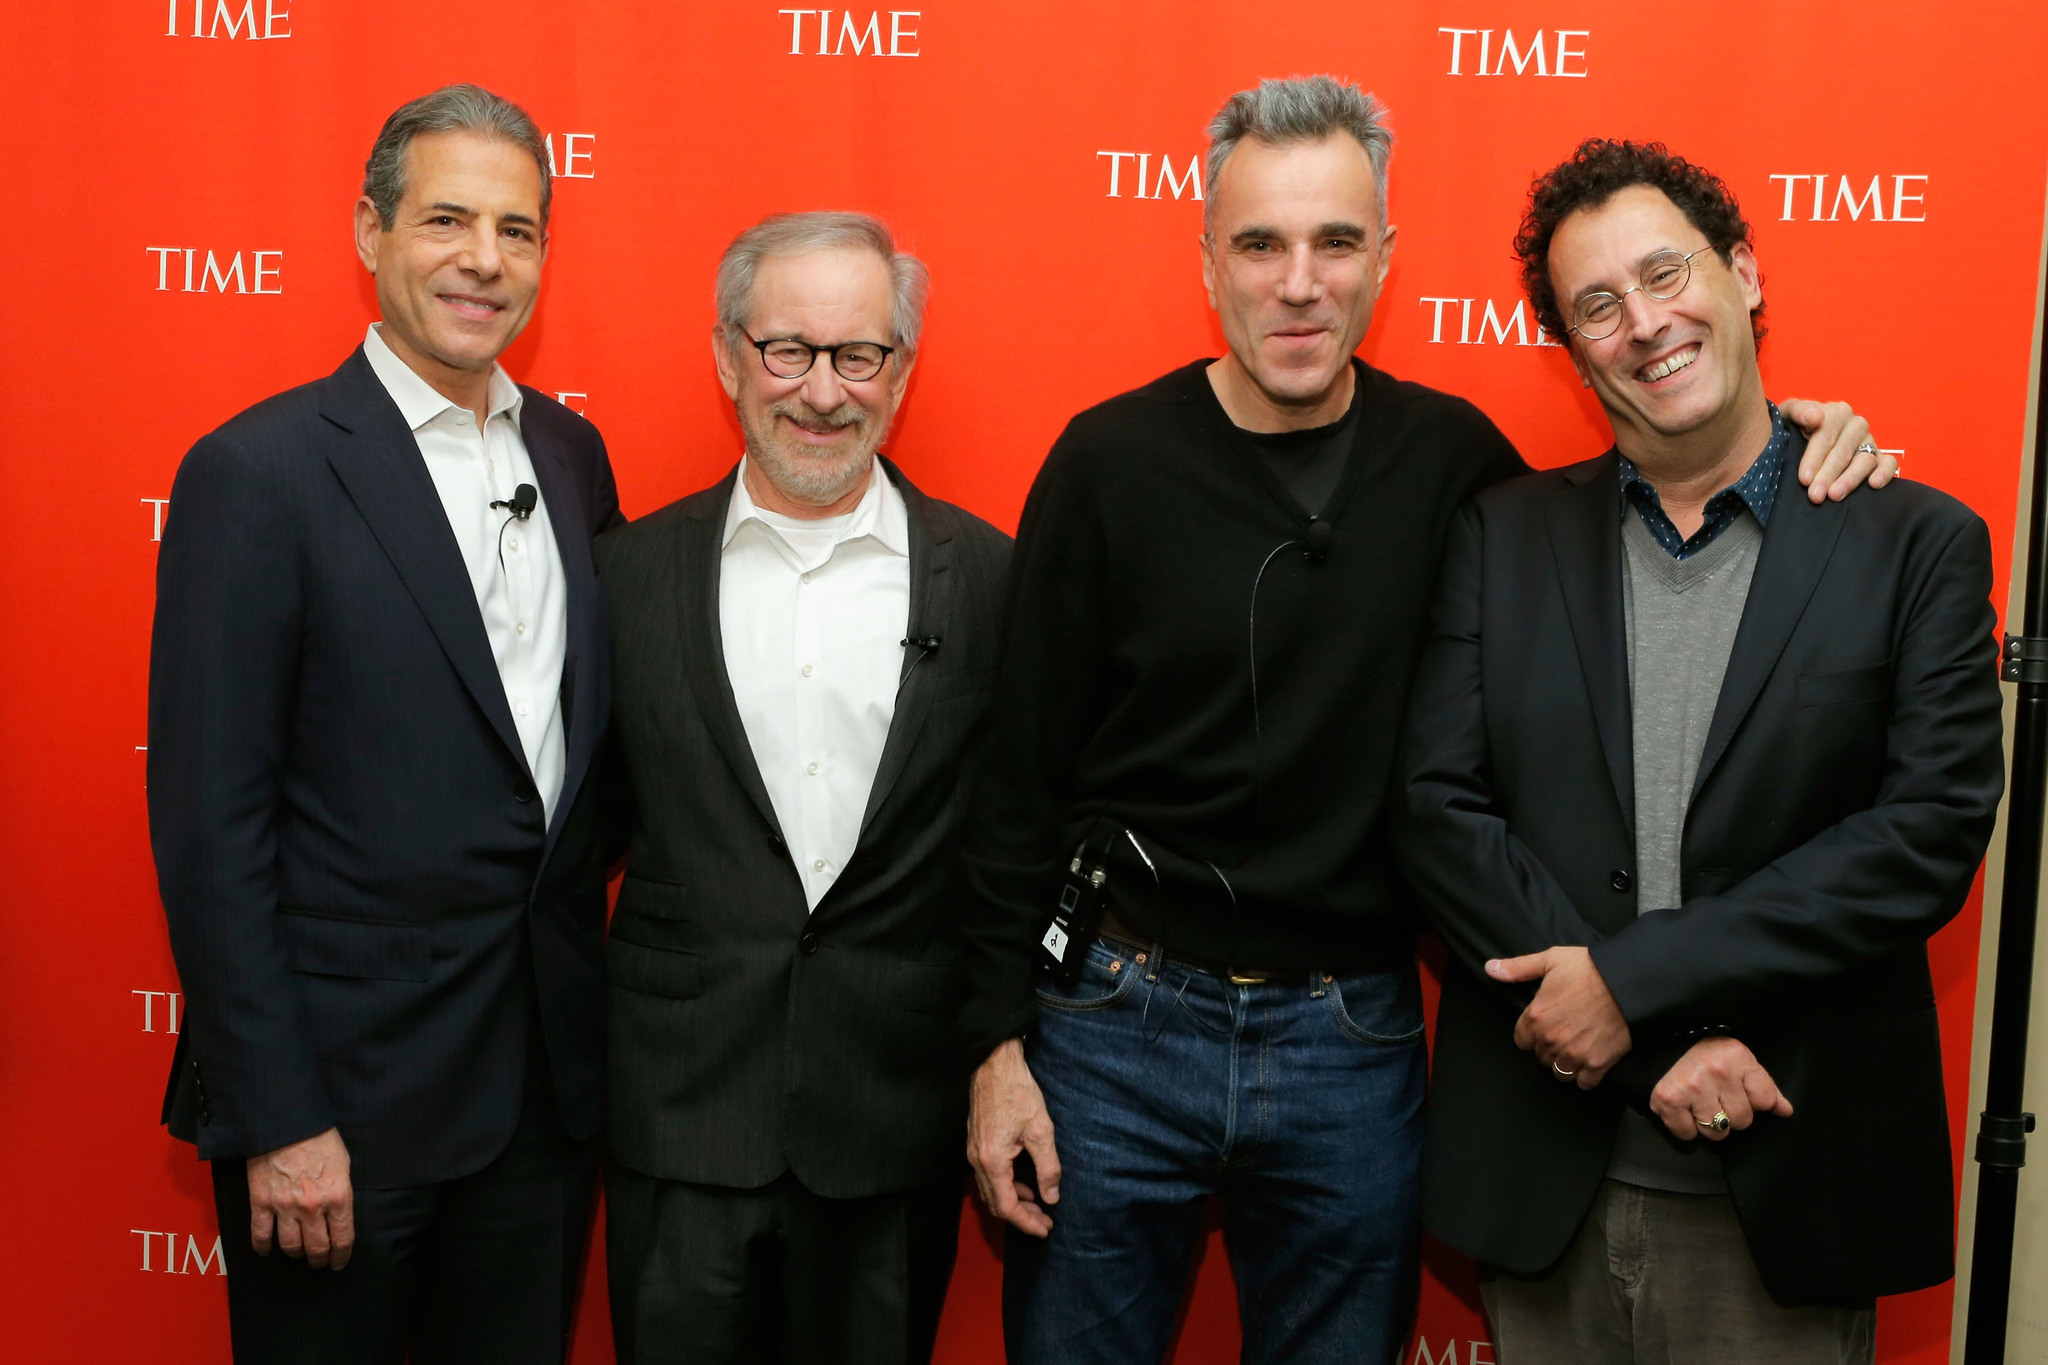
x: 792, y: 359
x: 1663, y: 277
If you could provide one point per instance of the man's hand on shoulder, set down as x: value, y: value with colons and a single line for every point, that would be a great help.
x: 1716, y: 1076
x: 1573, y: 1024
x: 1840, y: 456
x: 301, y: 1197
x: 1006, y: 1117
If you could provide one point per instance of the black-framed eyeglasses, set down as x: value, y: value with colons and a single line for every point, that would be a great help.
x: 788, y: 358
x: 1663, y: 277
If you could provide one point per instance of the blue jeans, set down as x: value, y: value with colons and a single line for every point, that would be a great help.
x: 1299, y: 1102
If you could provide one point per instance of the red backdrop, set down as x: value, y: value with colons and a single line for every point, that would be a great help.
x: 186, y: 168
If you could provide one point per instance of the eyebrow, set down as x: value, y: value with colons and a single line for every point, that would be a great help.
x: 1261, y: 230
x: 443, y: 206
x: 1641, y: 261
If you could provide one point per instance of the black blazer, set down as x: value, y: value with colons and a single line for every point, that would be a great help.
x: 1845, y: 795
x: 749, y: 1037
x: 361, y: 894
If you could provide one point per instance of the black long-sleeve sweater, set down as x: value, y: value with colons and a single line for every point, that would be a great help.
x: 1250, y: 752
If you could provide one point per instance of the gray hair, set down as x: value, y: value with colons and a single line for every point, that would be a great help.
x: 1300, y: 109
x: 451, y: 109
x: 794, y: 234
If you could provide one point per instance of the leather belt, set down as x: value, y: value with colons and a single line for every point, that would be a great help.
x: 1114, y: 928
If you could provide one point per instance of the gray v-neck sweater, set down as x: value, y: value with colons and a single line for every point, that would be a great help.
x: 1681, y: 617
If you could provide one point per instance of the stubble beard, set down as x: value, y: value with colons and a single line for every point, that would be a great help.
x: 799, y: 474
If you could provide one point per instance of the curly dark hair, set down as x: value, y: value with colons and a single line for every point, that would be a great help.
x: 1596, y: 172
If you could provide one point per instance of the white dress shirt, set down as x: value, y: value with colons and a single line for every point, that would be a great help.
x: 812, y: 615
x: 516, y: 569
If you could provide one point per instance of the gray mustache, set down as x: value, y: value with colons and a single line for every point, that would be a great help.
x: 845, y: 415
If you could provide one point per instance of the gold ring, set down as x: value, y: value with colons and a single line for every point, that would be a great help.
x: 1562, y: 1074
x: 1716, y: 1124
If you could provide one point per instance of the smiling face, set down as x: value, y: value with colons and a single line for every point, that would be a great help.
x: 459, y: 267
x: 1675, y: 369
x: 1293, y: 261
x: 814, y: 437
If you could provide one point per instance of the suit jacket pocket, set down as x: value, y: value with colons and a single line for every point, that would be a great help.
x: 379, y: 950
x: 1871, y: 683
x: 641, y: 894
x: 654, y: 971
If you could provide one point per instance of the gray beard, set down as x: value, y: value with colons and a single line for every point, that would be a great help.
x: 815, y: 481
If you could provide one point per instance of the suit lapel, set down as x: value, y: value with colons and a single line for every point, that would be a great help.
x: 582, y: 676
x: 1795, y: 553
x: 379, y: 465
x: 931, y: 599
x: 698, y: 563
x: 1585, y: 538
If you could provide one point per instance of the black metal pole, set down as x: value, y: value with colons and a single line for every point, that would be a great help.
x: 2003, y: 1126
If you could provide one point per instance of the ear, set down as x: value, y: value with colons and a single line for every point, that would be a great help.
x: 902, y: 365
x: 1386, y: 256
x: 722, y: 357
x: 1748, y: 273
x: 1208, y: 267
x: 1571, y: 351
x: 369, y: 229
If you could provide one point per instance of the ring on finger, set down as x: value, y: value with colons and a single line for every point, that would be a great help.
x: 1560, y: 1072
x: 1716, y: 1124
x: 1869, y: 448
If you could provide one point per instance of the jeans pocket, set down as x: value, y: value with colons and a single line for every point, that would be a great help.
x: 1384, y: 1008
x: 1105, y: 978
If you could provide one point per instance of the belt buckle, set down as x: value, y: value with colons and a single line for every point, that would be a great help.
x: 1250, y: 978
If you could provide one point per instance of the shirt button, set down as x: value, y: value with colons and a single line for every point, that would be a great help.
x: 521, y: 708
x: 805, y: 579
x: 807, y: 670
x: 463, y: 418
x: 812, y: 770
x: 520, y: 628
x: 818, y: 865
x: 512, y: 544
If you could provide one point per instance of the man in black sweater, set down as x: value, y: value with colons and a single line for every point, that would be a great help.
x: 1218, y: 589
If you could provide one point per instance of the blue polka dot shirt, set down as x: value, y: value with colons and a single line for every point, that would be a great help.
x: 1756, y: 490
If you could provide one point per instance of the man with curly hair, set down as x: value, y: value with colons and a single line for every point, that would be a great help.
x: 1694, y: 766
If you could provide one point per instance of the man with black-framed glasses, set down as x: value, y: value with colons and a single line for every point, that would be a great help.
x: 803, y: 651
x: 1694, y: 768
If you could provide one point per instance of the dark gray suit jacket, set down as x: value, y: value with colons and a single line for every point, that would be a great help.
x: 749, y: 1037
x: 1844, y: 798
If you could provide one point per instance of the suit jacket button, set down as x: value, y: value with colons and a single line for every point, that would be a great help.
x: 776, y: 842
x: 1619, y: 879
x: 807, y: 945
x: 524, y: 792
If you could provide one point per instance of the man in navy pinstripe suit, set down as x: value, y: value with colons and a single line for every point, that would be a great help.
x: 377, y: 684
